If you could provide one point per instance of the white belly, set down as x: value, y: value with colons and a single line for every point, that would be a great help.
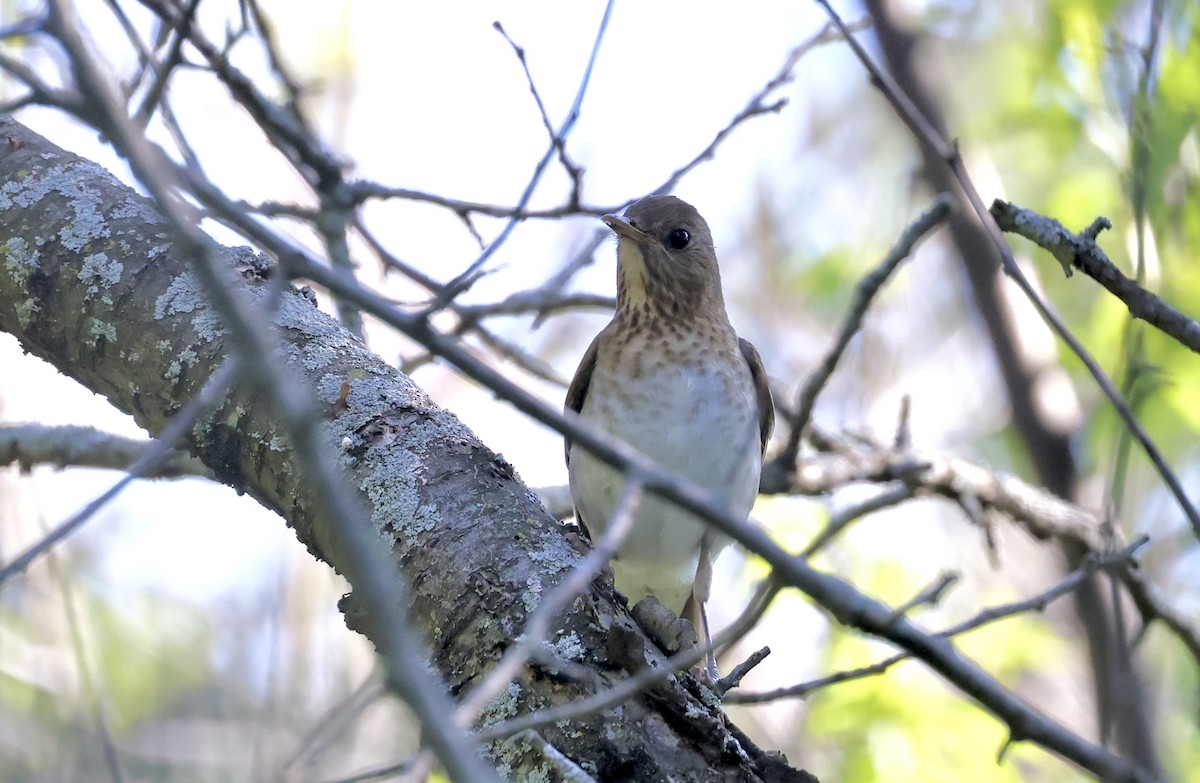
x: 702, y: 424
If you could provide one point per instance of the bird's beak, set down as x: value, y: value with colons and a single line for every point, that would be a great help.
x: 624, y: 229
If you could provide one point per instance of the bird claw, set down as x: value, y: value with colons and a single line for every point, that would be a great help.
x: 708, y: 677
x: 666, y: 629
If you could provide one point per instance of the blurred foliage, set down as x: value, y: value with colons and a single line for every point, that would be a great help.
x: 911, y: 727
x: 1043, y: 98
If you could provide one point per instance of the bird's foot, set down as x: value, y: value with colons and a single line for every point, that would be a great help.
x: 669, y: 631
x: 706, y: 674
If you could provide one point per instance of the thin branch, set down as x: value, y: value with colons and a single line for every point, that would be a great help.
x: 930, y: 596
x: 177, y: 428
x: 885, y: 498
x: 1037, y: 603
x: 289, y: 136
x: 1081, y: 251
x: 504, y: 348
x: 739, y: 672
x: 91, y: 693
x: 361, y: 190
x: 784, y: 464
x: 1042, y: 514
x: 927, y: 133
x: 163, y: 72
x: 538, y: 625
x: 87, y: 447
x: 639, y: 682
x: 535, y: 300
x: 469, y: 275
x: 757, y: 105
x: 573, y: 170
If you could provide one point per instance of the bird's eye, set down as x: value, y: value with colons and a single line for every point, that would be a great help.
x: 678, y: 239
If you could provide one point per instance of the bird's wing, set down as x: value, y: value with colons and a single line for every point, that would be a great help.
x: 762, y: 391
x: 577, y: 391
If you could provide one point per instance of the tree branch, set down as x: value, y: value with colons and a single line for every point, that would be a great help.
x: 1081, y: 252
x: 468, y: 535
x: 87, y: 447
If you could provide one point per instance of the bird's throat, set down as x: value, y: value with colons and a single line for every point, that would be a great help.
x: 631, y: 276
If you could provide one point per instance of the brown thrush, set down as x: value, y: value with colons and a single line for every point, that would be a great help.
x: 670, y: 376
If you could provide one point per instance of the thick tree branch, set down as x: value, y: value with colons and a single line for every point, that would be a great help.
x: 92, y: 282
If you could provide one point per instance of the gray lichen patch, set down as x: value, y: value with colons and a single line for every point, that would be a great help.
x: 187, y: 357
x: 99, y: 270
x: 505, y: 705
x: 86, y: 223
x: 102, y: 330
x: 26, y: 310
x: 141, y: 211
x: 396, y: 502
x: 554, y: 553
x: 568, y: 647
x: 183, y: 295
x: 295, y: 312
x: 20, y: 260
x: 531, y: 596
x: 208, y: 325
x: 313, y: 357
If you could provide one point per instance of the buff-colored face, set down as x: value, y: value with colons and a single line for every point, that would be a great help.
x: 665, y: 256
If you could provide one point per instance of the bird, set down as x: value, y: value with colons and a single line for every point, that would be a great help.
x: 670, y: 377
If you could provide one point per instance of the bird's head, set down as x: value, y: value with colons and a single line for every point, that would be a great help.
x: 666, y: 263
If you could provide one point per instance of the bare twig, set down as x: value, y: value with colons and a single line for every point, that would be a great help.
x: 83, y: 666
x: 469, y: 275
x: 163, y: 71
x: 1041, y: 513
x: 1037, y: 603
x: 757, y: 105
x: 776, y: 473
x: 467, y: 323
x: 926, y: 132
x: 738, y: 673
x: 174, y: 432
x: 538, y: 625
x: 87, y: 447
x: 930, y: 596
x: 1081, y: 251
x: 362, y: 190
x: 885, y: 498
x: 556, y: 139
x: 639, y: 682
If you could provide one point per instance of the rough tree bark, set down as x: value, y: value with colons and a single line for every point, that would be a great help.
x: 90, y: 281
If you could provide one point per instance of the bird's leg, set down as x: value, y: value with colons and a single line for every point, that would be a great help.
x: 701, y: 590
